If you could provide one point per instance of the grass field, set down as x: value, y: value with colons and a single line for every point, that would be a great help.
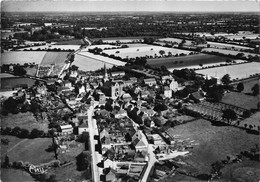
x: 235, y: 71
x: 225, y: 45
x: 54, y: 58
x: 133, y: 52
x: 240, y: 100
x: 9, y: 83
x: 226, y: 52
x: 21, y: 57
x: 215, y: 143
x: 190, y: 60
x: 71, y: 42
x: 23, y: 120
x: 12, y: 175
x: 173, y: 40
x: 248, y: 84
x: 53, y: 46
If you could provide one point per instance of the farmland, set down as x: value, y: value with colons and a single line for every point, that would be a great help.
x: 235, y: 71
x: 228, y: 46
x: 53, y: 46
x: 190, y: 60
x: 54, y: 58
x: 21, y: 57
x: 24, y: 120
x: 121, y: 39
x: 227, y: 52
x: 174, y: 40
x: 134, y: 52
x: 103, y: 46
x: 240, y: 100
x: 71, y: 42
x: 215, y: 143
x: 10, y: 83
x: 248, y: 84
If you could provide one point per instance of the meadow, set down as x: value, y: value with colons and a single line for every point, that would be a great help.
x: 235, y: 71
x: 133, y: 52
x: 10, y: 83
x: 227, y: 52
x: 70, y: 42
x: 21, y: 57
x: 174, y: 40
x: 57, y: 58
x: 224, y: 45
x: 185, y: 61
x: 53, y: 46
x: 215, y: 143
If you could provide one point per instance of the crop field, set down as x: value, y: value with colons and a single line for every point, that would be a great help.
x: 215, y: 143
x: 46, y: 47
x: 24, y: 120
x: 235, y: 71
x: 21, y: 57
x: 88, y: 64
x: 134, y: 52
x: 174, y: 40
x: 240, y: 100
x: 227, y: 52
x: 71, y: 42
x: 185, y: 61
x: 54, y: 58
x: 224, y: 45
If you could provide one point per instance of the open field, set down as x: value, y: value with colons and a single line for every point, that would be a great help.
x: 235, y: 71
x: 54, y: 58
x: 185, y: 61
x: 23, y: 120
x: 21, y: 57
x: 103, y: 46
x: 215, y: 143
x: 71, y: 42
x: 240, y: 100
x: 174, y: 40
x: 87, y: 61
x: 10, y: 83
x: 242, y: 36
x: 227, y: 52
x: 248, y: 84
x: 225, y: 45
x: 53, y: 46
x: 134, y: 52
x: 30, y: 150
x: 13, y: 142
x: 12, y: 175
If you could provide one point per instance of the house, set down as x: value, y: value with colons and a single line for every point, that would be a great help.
x: 121, y: 114
x: 134, y: 79
x: 50, y: 82
x: 166, y: 77
x: 66, y: 129
x: 150, y: 81
x: 67, y: 84
x: 117, y: 73
x: 82, y: 89
x: 139, y: 144
x: 74, y: 73
x: 167, y: 92
x: 174, y: 85
x: 82, y: 128
x: 128, y: 83
x: 111, y: 175
x: 108, y: 163
x: 196, y: 96
x: 101, y: 98
x: 126, y: 97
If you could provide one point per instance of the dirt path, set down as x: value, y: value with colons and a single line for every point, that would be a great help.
x: 9, y: 150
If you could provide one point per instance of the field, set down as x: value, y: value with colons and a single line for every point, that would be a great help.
x: 61, y: 47
x: 235, y: 71
x: 54, y: 58
x: 173, y: 40
x: 23, y: 120
x: 226, y: 52
x: 10, y: 83
x: 215, y: 143
x: 12, y: 175
x: 103, y: 46
x: 224, y: 45
x: 240, y: 100
x: 71, y: 42
x: 134, y: 52
x: 87, y: 61
x: 21, y: 57
x: 242, y: 36
x: 185, y: 61
x: 122, y: 39
x: 248, y: 84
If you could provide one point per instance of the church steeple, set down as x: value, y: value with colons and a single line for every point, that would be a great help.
x: 105, y: 73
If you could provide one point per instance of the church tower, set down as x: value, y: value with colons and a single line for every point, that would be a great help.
x: 105, y: 78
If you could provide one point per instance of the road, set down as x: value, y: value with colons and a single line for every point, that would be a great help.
x: 95, y: 170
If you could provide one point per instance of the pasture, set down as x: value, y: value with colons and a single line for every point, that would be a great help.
x: 12, y: 82
x: 227, y: 52
x: 21, y: 57
x: 133, y: 52
x: 70, y: 42
x: 174, y: 40
x: 57, y: 58
x: 225, y: 45
x: 215, y: 143
x: 103, y: 46
x: 235, y: 71
x: 240, y: 100
x: 23, y: 120
x: 248, y: 84
x: 53, y: 46
x: 185, y: 61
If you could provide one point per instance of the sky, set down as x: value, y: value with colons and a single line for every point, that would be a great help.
x: 130, y: 5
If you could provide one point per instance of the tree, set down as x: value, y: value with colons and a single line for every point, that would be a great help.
x: 6, y: 163
x: 255, y: 89
x: 162, y: 52
x: 18, y: 70
x: 226, y: 79
x: 128, y: 137
x: 83, y: 161
x: 229, y: 114
x: 240, y: 86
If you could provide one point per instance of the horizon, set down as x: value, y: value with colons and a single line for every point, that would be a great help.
x: 134, y: 6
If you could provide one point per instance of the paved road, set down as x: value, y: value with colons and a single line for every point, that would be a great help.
x: 95, y: 170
